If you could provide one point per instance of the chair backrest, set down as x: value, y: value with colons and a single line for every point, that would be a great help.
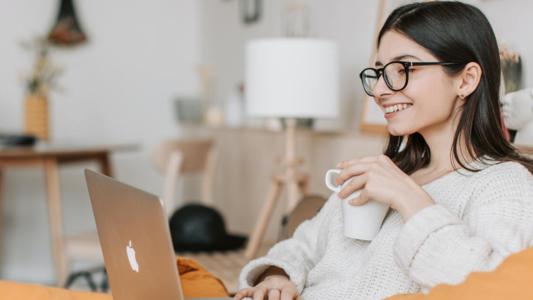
x: 195, y: 154
x: 306, y: 209
x: 185, y: 156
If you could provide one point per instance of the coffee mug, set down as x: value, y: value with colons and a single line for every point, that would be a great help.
x: 361, y: 222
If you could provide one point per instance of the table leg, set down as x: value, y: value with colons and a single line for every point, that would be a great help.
x: 1, y: 210
x: 55, y: 219
x: 264, y: 217
x: 105, y: 165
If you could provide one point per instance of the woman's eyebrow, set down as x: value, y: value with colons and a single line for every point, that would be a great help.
x: 401, y: 57
x: 396, y: 58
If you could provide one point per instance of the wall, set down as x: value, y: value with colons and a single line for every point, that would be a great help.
x: 349, y: 23
x: 117, y: 88
x: 512, y: 25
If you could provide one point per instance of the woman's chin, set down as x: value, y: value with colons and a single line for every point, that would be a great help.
x: 396, y: 130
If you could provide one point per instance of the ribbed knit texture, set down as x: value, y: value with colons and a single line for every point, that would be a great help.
x: 478, y: 220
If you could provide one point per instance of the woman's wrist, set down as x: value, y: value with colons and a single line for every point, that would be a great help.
x: 414, y: 204
x: 271, y: 271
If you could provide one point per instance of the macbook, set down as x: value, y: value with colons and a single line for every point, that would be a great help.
x: 135, y: 240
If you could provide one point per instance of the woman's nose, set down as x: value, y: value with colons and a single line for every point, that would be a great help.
x: 381, y: 89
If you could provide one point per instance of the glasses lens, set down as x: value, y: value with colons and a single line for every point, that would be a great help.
x: 395, y: 76
x: 369, y: 78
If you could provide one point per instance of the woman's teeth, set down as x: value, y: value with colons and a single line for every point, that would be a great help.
x: 395, y: 108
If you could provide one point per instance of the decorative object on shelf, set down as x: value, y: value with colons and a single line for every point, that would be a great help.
x: 189, y: 111
x: 297, y: 19
x: 233, y: 113
x: 16, y: 140
x: 511, y: 65
x: 251, y: 10
x: 212, y: 113
x: 517, y: 109
x: 289, y: 79
x: 36, y: 117
x: 66, y: 30
x: 39, y: 82
x: 214, y: 116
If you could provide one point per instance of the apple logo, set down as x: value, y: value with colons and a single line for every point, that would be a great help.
x: 131, y: 257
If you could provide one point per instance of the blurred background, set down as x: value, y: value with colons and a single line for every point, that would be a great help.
x: 147, y: 71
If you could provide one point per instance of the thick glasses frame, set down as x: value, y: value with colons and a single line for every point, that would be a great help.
x: 406, y: 66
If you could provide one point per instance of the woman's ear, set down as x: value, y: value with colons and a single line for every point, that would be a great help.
x: 468, y: 79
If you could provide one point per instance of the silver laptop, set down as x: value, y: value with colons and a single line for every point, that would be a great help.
x: 135, y: 240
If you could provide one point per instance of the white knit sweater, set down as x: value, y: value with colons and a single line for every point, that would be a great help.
x: 478, y: 220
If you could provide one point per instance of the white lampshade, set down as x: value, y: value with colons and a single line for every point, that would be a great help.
x: 292, y: 78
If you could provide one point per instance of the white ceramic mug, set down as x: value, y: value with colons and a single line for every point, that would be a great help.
x: 360, y: 222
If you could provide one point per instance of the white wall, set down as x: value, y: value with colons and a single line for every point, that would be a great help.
x: 118, y: 88
x: 512, y: 23
x: 351, y: 24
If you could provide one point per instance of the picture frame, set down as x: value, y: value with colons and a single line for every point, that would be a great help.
x: 372, y: 119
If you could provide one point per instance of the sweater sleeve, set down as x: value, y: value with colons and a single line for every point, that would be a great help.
x: 296, y: 255
x: 435, y: 246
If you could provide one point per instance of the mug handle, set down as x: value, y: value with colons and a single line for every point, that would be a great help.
x: 329, y: 180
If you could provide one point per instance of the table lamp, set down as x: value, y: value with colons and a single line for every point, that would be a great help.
x: 289, y: 78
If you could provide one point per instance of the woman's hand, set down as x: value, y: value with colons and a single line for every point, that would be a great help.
x: 273, y: 287
x: 379, y: 179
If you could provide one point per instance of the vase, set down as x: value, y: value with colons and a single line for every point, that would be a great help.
x: 36, y: 117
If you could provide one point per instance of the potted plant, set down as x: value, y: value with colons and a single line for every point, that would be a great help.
x: 41, y: 79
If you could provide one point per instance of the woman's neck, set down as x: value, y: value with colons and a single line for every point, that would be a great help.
x: 440, y: 143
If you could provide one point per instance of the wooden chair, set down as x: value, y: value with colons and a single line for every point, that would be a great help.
x: 180, y: 157
x: 172, y: 158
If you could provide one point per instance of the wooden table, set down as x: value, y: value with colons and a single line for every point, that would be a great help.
x: 50, y: 157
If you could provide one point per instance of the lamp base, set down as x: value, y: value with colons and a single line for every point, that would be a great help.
x: 272, y: 199
x: 296, y: 184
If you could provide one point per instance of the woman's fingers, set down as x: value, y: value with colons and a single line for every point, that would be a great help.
x: 288, y: 293
x: 274, y: 294
x: 347, y: 163
x: 351, y: 171
x: 355, y: 184
x: 361, y: 199
x: 248, y: 292
x: 260, y: 293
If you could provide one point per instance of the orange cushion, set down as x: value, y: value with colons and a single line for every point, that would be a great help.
x: 17, y: 291
x: 195, y: 280
x: 513, y: 279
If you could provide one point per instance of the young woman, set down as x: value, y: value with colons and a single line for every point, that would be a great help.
x: 461, y: 197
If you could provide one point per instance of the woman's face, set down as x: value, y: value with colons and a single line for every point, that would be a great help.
x: 429, y: 101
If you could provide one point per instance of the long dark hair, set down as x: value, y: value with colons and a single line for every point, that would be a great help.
x: 456, y: 32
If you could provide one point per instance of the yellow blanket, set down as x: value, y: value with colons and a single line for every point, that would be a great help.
x: 195, y: 280
x: 513, y: 279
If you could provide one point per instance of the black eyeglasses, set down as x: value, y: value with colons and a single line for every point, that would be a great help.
x: 395, y: 74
